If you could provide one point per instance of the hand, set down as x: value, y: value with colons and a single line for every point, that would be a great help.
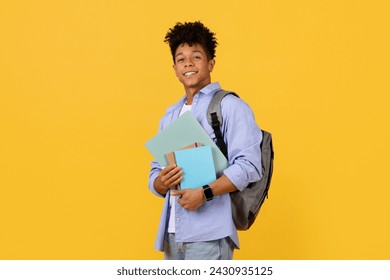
x: 168, y: 178
x: 190, y: 199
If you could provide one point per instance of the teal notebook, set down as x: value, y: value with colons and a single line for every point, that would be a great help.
x: 184, y: 131
x: 197, y: 165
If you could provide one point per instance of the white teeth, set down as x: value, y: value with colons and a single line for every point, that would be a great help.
x: 189, y: 73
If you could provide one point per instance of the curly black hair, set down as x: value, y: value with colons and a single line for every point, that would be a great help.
x: 191, y: 33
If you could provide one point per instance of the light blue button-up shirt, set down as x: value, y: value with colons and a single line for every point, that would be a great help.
x: 213, y: 220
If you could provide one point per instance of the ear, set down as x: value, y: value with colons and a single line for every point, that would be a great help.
x: 211, y: 64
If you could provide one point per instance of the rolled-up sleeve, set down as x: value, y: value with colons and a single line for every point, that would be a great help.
x: 243, y: 137
x: 152, y: 177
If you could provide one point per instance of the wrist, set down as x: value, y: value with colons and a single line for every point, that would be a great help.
x: 207, y: 192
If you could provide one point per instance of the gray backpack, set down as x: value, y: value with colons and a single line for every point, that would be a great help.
x: 245, y: 204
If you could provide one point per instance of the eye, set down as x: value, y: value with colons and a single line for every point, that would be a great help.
x: 197, y: 57
x: 180, y: 60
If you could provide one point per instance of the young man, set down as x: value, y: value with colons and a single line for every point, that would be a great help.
x: 197, y: 223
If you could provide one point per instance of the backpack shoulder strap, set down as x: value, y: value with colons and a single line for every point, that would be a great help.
x: 215, y: 118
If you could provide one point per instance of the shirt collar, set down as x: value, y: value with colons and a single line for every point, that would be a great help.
x: 210, y: 88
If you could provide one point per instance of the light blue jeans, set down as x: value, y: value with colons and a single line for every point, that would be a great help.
x: 221, y: 249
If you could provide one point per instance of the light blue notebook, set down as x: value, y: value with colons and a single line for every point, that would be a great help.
x: 197, y: 165
x: 182, y: 132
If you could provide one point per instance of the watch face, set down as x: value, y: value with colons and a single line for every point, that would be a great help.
x: 208, y: 193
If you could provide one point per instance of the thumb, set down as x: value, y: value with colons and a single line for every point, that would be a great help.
x: 177, y: 192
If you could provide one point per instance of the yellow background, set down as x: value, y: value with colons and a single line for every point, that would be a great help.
x: 83, y: 85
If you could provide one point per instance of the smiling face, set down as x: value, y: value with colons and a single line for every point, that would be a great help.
x: 193, y: 68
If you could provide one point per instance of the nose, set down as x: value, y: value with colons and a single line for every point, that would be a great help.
x: 188, y: 63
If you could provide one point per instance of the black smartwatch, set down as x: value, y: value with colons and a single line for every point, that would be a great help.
x: 208, y: 193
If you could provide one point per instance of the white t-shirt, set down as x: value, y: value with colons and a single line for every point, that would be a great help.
x: 171, y: 224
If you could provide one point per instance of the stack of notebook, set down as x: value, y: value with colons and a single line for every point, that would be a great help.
x: 187, y: 144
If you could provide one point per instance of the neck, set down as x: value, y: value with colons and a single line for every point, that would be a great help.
x: 192, y: 91
x: 190, y: 95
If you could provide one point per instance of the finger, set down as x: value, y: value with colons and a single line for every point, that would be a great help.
x: 174, y: 178
x: 177, y: 182
x: 173, y: 171
x: 167, y: 169
x: 170, y: 180
x: 167, y: 174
